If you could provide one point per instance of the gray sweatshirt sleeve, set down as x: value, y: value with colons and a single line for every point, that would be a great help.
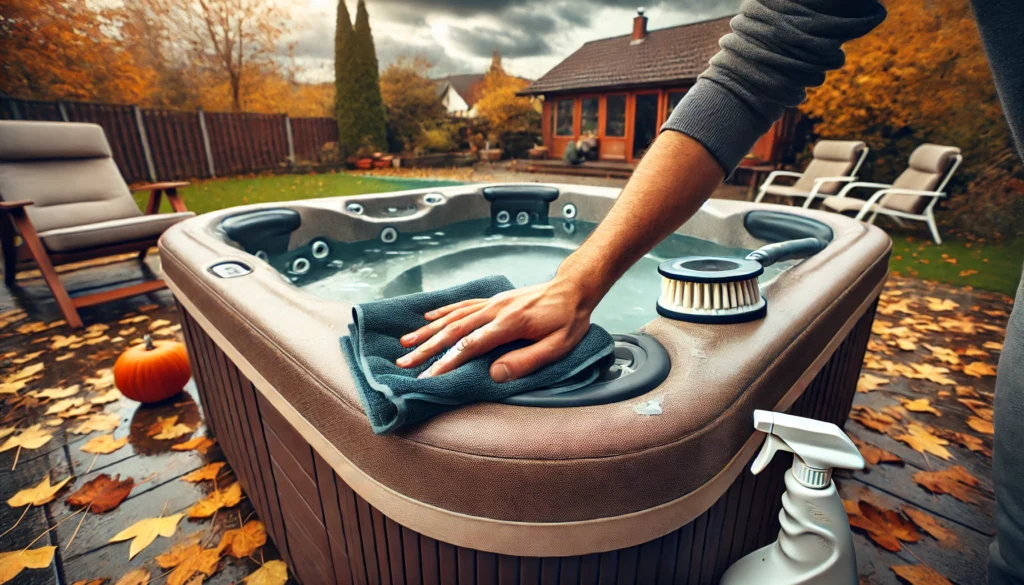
x: 777, y: 48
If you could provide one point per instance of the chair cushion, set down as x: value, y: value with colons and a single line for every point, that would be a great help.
x: 844, y: 204
x: 839, y: 150
x: 111, y: 232
x: 785, y: 191
x: 832, y: 158
x: 22, y: 141
x: 929, y: 164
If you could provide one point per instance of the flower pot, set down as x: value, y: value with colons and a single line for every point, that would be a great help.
x: 364, y: 164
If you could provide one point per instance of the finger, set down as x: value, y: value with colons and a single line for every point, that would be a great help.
x: 438, y: 313
x: 471, y: 346
x: 445, y: 338
x: 525, y: 361
x: 431, y: 329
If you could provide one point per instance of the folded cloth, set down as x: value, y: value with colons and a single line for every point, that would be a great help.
x: 394, y: 398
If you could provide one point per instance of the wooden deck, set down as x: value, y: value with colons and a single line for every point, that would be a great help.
x: 84, y: 553
x: 603, y: 169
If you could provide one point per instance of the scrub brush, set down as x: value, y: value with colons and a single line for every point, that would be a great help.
x: 713, y: 289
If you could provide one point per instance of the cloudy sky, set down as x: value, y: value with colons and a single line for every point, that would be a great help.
x: 458, y: 36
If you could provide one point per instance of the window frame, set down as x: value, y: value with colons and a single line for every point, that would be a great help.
x: 608, y: 118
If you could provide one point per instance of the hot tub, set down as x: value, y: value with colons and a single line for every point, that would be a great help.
x: 639, y: 478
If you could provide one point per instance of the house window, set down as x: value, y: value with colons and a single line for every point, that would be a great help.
x: 674, y: 97
x: 563, y: 117
x: 615, y: 116
x: 588, y: 123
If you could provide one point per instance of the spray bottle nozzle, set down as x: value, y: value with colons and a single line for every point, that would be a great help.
x: 817, y: 447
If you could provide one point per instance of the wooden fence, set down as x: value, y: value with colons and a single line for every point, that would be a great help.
x: 163, y: 145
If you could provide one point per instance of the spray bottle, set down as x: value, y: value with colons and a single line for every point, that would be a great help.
x: 815, y: 544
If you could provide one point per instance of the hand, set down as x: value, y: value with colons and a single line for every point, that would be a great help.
x: 555, y: 316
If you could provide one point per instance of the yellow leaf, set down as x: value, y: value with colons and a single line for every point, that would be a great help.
x: 56, y: 393
x: 922, y: 440
x: 133, y: 320
x: 906, y: 344
x: 38, y: 495
x: 27, y: 358
x: 101, y: 421
x: 226, y: 498
x: 104, y: 379
x: 940, y: 305
x: 919, y: 575
x: 931, y: 373
x: 168, y: 428
x: 62, y: 405
x: 144, y: 532
x: 944, y: 354
x: 271, y: 573
x: 108, y: 396
x: 921, y: 405
x: 24, y: 373
x: 993, y: 345
x: 868, y: 382
x: 978, y: 407
x: 201, y: 444
x: 242, y: 542
x: 76, y: 411
x: 14, y: 562
x: 979, y: 369
x: 104, y: 444
x: 32, y: 437
x: 207, y: 472
x: 981, y: 425
x: 136, y: 577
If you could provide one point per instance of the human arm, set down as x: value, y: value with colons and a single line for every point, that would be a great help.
x: 778, y: 47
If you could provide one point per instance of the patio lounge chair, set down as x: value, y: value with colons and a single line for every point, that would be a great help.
x: 914, y: 193
x: 61, y: 191
x: 835, y: 162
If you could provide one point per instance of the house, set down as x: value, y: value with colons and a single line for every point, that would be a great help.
x: 459, y: 93
x: 621, y: 89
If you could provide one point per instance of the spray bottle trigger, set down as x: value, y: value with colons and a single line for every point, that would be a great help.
x: 772, y: 445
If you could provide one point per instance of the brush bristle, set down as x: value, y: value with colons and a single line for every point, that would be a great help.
x: 710, y: 298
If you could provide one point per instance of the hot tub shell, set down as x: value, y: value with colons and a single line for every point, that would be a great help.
x: 495, y: 493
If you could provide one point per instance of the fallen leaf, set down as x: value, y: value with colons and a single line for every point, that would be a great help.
x: 980, y: 408
x: 875, y: 455
x: 242, y: 542
x: 168, y: 428
x: 929, y: 524
x: 136, y: 577
x: 104, y: 379
x: 906, y: 344
x: 887, y: 528
x: 26, y: 358
x: 979, y: 369
x: 993, y: 345
x: 7, y: 431
x: 108, y: 396
x: 76, y: 411
x: 922, y: 440
x: 217, y: 499
x: 955, y: 481
x: 872, y: 419
x: 102, y: 493
x: 158, y: 324
x: 187, y: 559
x: 133, y: 320
x: 940, y: 305
x: 65, y: 357
x: 920, y: 405
x: 919, y: 575
x: 104, y: 444
x: 200, y: 444
x: 207, y: 472
x: 868, y: 382
x: 271, y: 573
x: 144, y: 532
x: 981, y: 425
x: 971, y: 442
x: 14, y: 562
x: 931, y: 373
x: 966, y: 391
x: 56, y: 393
x: 32, y: 437
x: 99, y: 581
x: 38, y: 495
x: 101, y: 421
x: 24, y: 373
x: 944, y: 354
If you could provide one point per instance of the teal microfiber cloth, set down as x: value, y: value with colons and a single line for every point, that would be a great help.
x: 394, y: 398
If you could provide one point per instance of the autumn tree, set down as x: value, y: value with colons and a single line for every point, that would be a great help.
x: 411, y: 101
x: 63, y: 49
x: 501, y: 107
x: 922, y: 76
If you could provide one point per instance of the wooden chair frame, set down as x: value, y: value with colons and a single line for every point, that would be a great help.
x: 15, y: 222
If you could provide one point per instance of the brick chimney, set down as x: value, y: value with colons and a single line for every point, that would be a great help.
x: 639, y: 26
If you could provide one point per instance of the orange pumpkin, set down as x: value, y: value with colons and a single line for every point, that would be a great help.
x: 152, y: 371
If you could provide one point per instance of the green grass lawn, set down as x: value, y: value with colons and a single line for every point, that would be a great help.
x: 211, y: 195
x: 986, y: 266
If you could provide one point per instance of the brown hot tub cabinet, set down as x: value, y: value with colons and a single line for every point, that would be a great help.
x: 499, y: 493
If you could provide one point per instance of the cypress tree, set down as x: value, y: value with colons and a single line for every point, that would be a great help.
x: 370, y: 122
x: 343, y: 87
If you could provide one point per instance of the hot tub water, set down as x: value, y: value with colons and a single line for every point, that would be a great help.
x: 371, y: 270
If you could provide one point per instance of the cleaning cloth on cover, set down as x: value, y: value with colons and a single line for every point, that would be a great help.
x: 394, y: 398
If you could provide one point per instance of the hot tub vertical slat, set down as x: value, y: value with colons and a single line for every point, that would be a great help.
x: 667, y: 558
x: 466, y: 560
x: 589, y: 567
x: 626, y: 573
x: 347, y: 504
x: 710, y: 559
x: 682, y: 574
x: 607, y: 568
x: 648, y: 561
x: 486, y: 568
x: 411, y: 550
x: 430, y: 560
x: 529, y: 571
x: 367, y: 540
x: 250, y: 482
x: 197, y: 372
x: 245, y: 471
x: 447, y: 563
x: 380, y: 538
x: 395, y: 554
x: 692, y: 566
x: 569, y: 571
x: 333, y: 522
x: 732, y: 498
x: 508, y: 570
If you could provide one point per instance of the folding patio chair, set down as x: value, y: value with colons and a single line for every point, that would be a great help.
x: 834, y: 162
x: 62, y: 193
x: 913, y: 195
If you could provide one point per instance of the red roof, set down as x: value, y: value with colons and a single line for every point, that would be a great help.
x: 669, y: 55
